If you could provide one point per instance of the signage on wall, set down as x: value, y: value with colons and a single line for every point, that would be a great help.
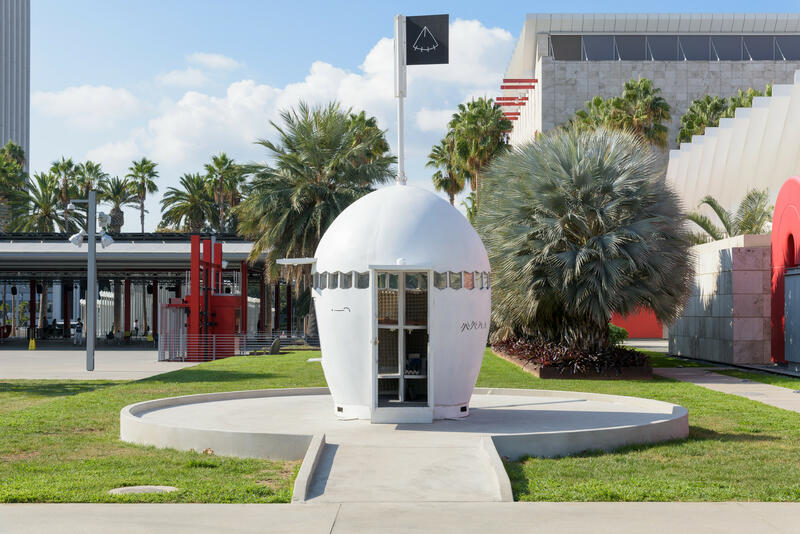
x: 427, y: 40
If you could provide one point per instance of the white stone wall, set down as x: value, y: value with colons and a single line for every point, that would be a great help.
x: 727, y: 318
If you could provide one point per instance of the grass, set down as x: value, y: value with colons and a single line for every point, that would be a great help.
x: 59, y: 443
x: 659, y: 359
x: 766, y: 378
x: 737, y: 450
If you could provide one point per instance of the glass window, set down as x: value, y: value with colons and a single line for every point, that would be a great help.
x: 469, y: 280
x: 439, y: 280
x: 599, y: 47
x: 788, y: 47
x: 323, y: 281
x: 455, y: 280
x: 631, y: 47
x: 663, y: 47
x: 417, y: 281
x: 478, y: 280
x: 566, y: 47
x: 315, y: 280
x: 727, y: 47
x: 362, y: 280
x: 696, y: 47
x: 333, y: 280
x: 346, y: 280
x: 488, y: 281
x: 394, y: 281
x: 382, y: 280
x: 759, y: 47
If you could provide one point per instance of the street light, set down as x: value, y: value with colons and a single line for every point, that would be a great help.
x: 91, y: 271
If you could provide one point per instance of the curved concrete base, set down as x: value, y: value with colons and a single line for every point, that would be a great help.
x: 444, y: 460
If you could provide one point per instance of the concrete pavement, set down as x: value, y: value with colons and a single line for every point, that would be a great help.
x: 777, y: 396
x: 461, y: 518
x: 65, y: 364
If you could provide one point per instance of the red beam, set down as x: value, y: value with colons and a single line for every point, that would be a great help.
x: 505, y: 87
x: 514, y: 98
x: 520, y: 80
x: 511, y: 103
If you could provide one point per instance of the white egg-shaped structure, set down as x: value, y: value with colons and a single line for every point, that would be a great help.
x: 402, y: 297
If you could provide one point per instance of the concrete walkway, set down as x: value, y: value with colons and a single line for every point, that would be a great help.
x: 777, y: 396
x: 64, y: 364
x: 461, y: 518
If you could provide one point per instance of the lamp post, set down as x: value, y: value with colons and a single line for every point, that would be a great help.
x: 91, y: 271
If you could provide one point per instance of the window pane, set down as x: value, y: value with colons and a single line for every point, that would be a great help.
x: 439, y: 280
x: 759, y: 47
x: 323, y: 281
x: 347, y: 280
x: 412, y: 281
x: 727, y: 47
x: 478, y: 280
x: 455, y: 280
x: 663, y: 47
x: 599, y: 47
x: 469, y: 280
x: 362, y: 281
x: 382, y: 280
x: 315, y: 280
x: 394, y: 281
x: 566, y: 47
x: 695, y: 47
x: 488, y: 281
x: 333, y: 280
x: 631, y: 47
x: 789, y: 46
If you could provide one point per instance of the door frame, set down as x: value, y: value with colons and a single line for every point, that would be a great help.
x: 399, y: 414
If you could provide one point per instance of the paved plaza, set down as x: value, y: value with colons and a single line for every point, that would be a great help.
x: 69, y: 364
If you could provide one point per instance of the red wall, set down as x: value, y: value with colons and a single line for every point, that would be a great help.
x: 785, y: 252
x: 640, y: 325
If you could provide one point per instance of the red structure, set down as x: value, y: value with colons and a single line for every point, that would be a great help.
x: 785, y: 237
x: 213, y: 318
x: 640, y: 325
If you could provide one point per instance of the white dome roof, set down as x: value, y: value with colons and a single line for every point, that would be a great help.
x: 401, y: 221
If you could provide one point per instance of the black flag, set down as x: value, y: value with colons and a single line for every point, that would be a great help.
x: 427, y: 40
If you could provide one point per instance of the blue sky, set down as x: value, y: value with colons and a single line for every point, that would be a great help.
x: 177, y: 81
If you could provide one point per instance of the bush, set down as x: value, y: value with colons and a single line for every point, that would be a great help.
x: 569, y: 360
x: 617, y: 334
x: 579, y: 225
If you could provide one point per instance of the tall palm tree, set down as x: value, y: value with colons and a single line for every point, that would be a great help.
x: 479, y: 129
x: 320, y: 164
x: 64, y: 171
x: 225, y: 179
x: 752, y: 216
x: 118, y: 192
x: 88, y: 175
x: 188, y: 207
x: 142, y: 174
x: 578, y: 226
x: 448, y: 178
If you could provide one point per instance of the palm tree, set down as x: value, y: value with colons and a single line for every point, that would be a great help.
x: 752, y: 216
x: 224, y: 178
x: 118, y: 192
x: 701, y: 113
x: 88, y: 175
x: 580, y: 225
x: 142, y: 173
x: 448, y: 177
x: 470, y: 207
x: 12, y: 183
x: 189, y: 206
x: 479, y: 129
x: 321, y: 163
x: 64, y: 171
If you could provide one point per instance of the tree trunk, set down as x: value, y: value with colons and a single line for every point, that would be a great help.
x: 141, y: 212
x: 312, y: 319
x: 452, y: 199
x: 221, y: 222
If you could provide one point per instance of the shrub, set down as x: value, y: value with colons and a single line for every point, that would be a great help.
x: 617, y: 334
x: 579, y: 225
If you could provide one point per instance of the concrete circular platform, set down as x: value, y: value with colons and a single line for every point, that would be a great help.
x: 280, y: 424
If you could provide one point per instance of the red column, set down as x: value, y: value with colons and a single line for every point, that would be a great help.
x: 32, y: 311
x: 289, y: 305
x: 127, y: 304
x: 244, y: 271
x: 262, y: 309
x: 155, y: 323
x: 193, y: 327
x: 66, y: 298
x: 276, y: 325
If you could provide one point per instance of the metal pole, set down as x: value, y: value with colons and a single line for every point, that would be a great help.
x: 91, y: 282
x: 400, y: 92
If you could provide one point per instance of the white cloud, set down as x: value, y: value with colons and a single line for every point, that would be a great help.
x: 116, y: 157
x: 213, y: 61
x: 188, y: 77
x: 87, y: 106
x: 434, y: 120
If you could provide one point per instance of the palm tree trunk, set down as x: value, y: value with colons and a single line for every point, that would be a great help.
x: 452, y: 199
x: 221, y: 222
x: 141, y: 213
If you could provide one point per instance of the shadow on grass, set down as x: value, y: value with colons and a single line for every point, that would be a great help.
x: 698, y: 433
x: 184, y: 376
x: 54, y: 389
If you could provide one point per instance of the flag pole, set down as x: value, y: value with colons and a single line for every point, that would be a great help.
x: 400, y: 92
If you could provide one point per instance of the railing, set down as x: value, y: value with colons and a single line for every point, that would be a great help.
x: 180, y: 346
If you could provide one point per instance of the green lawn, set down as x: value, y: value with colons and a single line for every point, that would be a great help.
x: 658, y: 359
x: 58, y: 443
x: 767, y: 378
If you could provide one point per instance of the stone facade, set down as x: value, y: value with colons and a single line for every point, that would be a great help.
x: 727, y: 318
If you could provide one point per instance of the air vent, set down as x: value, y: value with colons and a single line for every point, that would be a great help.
x: 463, y: 408
x: 339, y: 409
